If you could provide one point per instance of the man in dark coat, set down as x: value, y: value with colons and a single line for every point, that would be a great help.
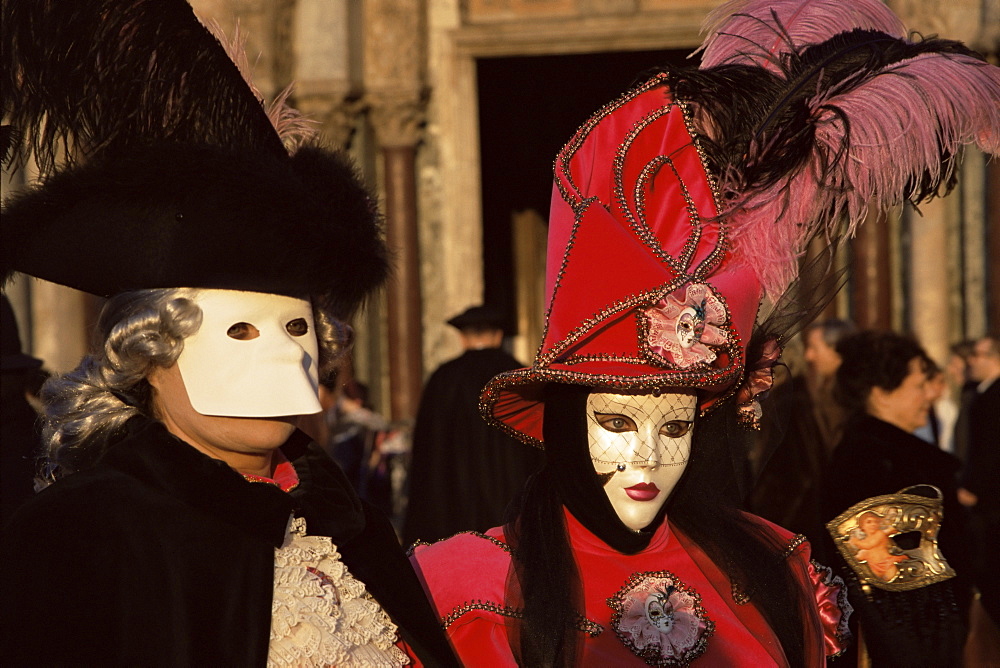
x: 464, y: 472
x: 800, y: 429
x: 178, y: 551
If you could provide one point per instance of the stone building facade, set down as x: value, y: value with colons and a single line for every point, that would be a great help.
x: 454, y: 109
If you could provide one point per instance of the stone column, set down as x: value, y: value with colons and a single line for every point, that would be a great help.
x: 932, y: 235
x: 871, y: 285
x: 992, y: 223
x: 953, y: 263
x: 396, y: 125
x: 394, y: 84
x: 326, y: 85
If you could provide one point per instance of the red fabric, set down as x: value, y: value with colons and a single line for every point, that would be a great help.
x: 468, y: 569
x: 467, y: 572
x: 633, y: 218
x: 829, y: 613
x: 284, y: 478
x: 415, y: 662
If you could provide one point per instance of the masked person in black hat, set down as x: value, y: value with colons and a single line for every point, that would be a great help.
x: 187, y: 521
x: 464, y: 473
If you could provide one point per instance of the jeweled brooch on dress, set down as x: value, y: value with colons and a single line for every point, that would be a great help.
x: 660, y: 619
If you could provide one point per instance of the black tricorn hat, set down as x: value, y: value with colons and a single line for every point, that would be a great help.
x: 174, y: 175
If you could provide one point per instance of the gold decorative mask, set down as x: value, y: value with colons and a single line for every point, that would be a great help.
x: 890, y: 541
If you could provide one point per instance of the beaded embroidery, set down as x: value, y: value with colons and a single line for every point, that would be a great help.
x: 591, y: 628
x: 579, y: 354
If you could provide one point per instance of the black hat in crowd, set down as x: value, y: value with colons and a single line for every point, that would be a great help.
x: 479, y: 317
x: 175, y: 174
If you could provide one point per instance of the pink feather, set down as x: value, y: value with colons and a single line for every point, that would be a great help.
x: 293, y: 128
x: 745, y: 31
x: 900, y: 119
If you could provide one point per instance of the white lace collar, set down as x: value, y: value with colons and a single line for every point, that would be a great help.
x: 321, y: 615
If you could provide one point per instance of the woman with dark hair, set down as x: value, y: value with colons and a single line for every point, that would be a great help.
x: 627, y: 546
x: 882, y: 382
x: 676, y: 207
x: 911, y: 610
x: 185, y: 520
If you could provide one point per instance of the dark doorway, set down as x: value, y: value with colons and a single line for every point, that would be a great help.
x: 528, y: 108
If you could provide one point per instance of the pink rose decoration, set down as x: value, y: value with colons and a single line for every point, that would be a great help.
x: 685, y: 323
x: 660, y: 619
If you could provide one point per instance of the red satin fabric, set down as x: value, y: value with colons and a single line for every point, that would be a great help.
x: 829, y: 614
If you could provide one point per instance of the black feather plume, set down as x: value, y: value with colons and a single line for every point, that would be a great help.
x: 122, y: 73
x: 814, y: 110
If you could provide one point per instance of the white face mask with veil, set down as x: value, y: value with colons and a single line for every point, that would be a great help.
x: 639, y: 446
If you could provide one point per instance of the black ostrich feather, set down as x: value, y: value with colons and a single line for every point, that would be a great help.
x: 113, y: 74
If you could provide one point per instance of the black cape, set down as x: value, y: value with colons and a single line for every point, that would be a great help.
x: 162, y: 556
x: 463, y: 472
x: 20, y: 442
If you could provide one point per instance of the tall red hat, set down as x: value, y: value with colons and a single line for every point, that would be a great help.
x: 812, y: 113
x: 644, y: 291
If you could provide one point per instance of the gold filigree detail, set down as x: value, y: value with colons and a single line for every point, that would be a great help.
x: 866, y: 536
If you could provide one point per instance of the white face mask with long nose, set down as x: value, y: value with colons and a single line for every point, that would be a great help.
x: 255, y: 355
x: 639, y: 444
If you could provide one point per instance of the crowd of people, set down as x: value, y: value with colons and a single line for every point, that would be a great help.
x: 212, y: 492
x: 900, y: 420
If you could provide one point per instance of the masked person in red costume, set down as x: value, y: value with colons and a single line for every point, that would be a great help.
x: 186, y: 521
x: 676, y: 207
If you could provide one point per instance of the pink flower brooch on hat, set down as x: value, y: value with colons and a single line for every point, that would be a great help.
x: 685, y: 323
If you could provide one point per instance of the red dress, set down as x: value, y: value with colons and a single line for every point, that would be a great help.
x: 667, y: 603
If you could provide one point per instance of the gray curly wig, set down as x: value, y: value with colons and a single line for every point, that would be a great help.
x: 85, y: 409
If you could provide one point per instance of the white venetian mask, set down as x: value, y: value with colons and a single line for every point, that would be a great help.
x: 640, y: 444
x: 255, y: 355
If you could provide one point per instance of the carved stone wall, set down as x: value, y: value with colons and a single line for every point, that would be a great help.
x: 402, y: 73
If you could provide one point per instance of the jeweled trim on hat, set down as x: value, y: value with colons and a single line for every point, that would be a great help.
x: 529, y: 376
x: 638, y: 225
x: 627, y: 303
x: 681, y: 265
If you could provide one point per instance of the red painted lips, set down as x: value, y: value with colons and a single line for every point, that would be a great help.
x: 643, y: 491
